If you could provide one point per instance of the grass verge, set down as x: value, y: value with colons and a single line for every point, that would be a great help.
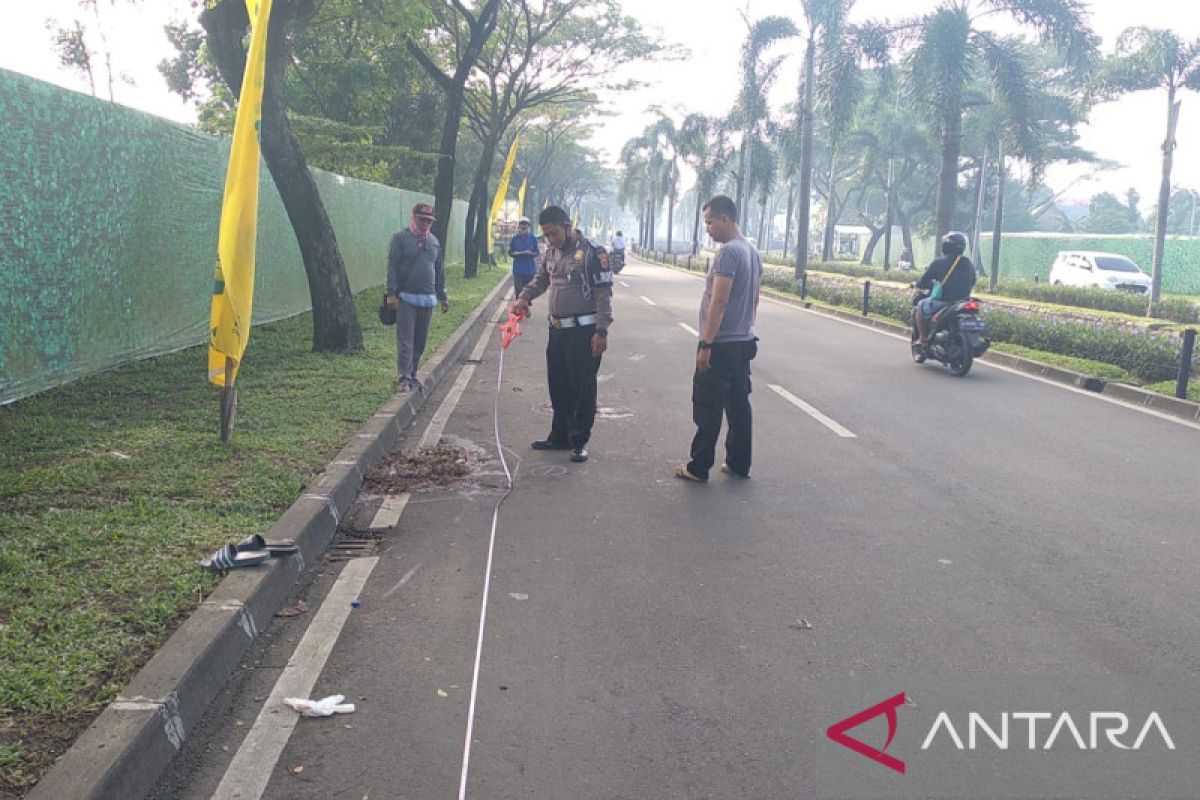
x: 113, y: 486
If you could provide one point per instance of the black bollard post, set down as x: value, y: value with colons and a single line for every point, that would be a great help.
x: 866, y: 298
x: 1185, y: 364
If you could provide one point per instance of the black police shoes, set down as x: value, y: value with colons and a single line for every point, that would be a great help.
x: 579, y: 455
x: 549, y: 444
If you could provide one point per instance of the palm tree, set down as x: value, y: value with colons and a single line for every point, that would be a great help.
x: 636, y: 182
x: 825, y: 19
x: 1034, y: 123
x: 840, y: 90
x: 1148, y: 58
x: 952, y: 50
x: 704, y: 145
x: 666, y: 140
x: 757, y: 76
x: 761, y: 180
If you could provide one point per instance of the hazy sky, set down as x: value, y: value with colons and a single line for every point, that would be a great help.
x: 1128, y: 131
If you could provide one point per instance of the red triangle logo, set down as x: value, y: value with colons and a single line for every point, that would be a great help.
x: 837, y: 732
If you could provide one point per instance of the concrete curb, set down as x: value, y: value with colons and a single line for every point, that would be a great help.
x: 125, y: 750
x: 1183, y: 409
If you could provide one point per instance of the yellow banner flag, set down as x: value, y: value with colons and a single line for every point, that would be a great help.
x: 521, y: 197
x: 502, y: 190
x: 233, y: 290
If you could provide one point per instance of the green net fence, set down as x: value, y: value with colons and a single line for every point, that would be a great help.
x: 108, y: 235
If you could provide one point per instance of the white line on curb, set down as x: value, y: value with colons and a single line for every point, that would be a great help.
x: 812, y: 412
x: 251, y: 768
x: 688, y: 328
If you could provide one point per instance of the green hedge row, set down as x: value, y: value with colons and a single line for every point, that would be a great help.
x: 1175, y: 308
x: 1171, y: 307
x: 1152, y: 356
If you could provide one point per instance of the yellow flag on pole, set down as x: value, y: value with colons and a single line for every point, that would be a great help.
x: 502, y: 189
x: 233, y: 289
x: 521, y: 197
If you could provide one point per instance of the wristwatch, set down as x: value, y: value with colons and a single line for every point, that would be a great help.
x: 703, y: 345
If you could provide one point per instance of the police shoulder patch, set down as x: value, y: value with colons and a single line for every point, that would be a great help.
x: 603, y: 259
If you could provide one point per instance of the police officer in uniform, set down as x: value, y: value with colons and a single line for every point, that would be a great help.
x: 579, y: 279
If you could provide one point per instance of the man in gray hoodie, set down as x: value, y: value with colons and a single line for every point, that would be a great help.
x: 416, y: 282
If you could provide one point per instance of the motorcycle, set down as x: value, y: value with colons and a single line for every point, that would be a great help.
x: 957, y: 338
x: 618, y: 261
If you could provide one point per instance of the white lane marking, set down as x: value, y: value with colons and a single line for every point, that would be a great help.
x: 688, y: 328
x: 437, y: 425
x: 1003, y: 368
x: 812, y: 412
x: 648, y: 301
x: 251, y: 768
x: 623, y: 283
x: 399, y: 584
x: 389, y: 512
x: 247, y: 776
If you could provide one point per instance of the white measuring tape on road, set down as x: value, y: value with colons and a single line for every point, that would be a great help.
x: 511, y: 329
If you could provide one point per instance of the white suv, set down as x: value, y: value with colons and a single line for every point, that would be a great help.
x: 1099, y: 271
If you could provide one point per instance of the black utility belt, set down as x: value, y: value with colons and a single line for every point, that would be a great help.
x: 572, y: 322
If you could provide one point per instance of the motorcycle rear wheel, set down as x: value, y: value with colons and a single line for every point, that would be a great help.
x: 962, y: 365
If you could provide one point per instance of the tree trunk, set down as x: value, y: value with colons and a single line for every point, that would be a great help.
x: 335, y: 321
x: 948, y: 176
x: 741, y: 175
x: 696, y: 224
x: 454, y: 87
x: 1164, y: 201
x: 889, y: 218
x: 869, y: 251
x: 787, y: 225
x: 832, y: 211
x: 977, y: 211
x: 470, y: 254
x: 998, y: 226
x: 906, y: 233
x: 762, y: 224
x: 671, y: 219
x: 806, y: 134
x: 473, y: 250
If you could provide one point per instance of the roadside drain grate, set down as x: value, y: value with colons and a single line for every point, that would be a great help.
x: 346, y: 547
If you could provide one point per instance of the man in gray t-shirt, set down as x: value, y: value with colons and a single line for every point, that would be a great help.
x: 721, y: 384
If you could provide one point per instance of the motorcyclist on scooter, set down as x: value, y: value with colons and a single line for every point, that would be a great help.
x: 617, y: 251
x: 954, y: 273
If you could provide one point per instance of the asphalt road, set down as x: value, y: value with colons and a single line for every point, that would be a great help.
x: 993, y: 539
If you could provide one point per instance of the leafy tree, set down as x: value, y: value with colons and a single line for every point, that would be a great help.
x: 551, y: 53
x: 1148, y: 58
x: 1107, y: 214
x: 70, y: 45
x: 456, y: 41
x: 335, y: 322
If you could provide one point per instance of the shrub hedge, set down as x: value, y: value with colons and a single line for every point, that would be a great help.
x: 1150, y: 355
